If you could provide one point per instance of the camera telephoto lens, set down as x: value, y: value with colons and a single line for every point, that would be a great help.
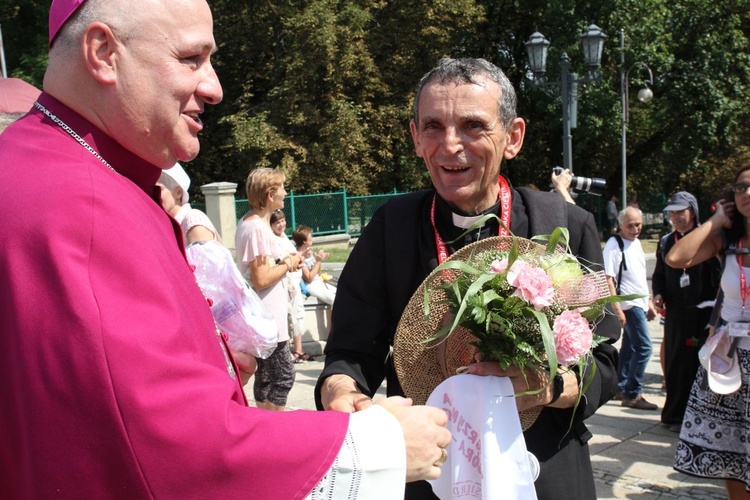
x: 594, y: 185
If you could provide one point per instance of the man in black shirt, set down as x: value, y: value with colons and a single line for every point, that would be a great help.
x: 464, y: 125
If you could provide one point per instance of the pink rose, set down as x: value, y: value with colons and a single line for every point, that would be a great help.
x: 498, y: 266
x: 532, y: 284
x: 573, y: 337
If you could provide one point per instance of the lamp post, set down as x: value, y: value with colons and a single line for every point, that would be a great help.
x: 644, y: 95
x: 3, y: 68
x: 592, y: 41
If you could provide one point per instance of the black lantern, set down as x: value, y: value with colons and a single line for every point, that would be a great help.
x: 592, y: 40
x: 536, y: 48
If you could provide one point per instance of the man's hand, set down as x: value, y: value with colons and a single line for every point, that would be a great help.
x: 533, y: 380
x: 340, y: 393
x: 616, y: 306
x: 659, y: 303
x: 424, y: 433
x: 246, y: 364
x: 621, y: 316
x: 561, y: 182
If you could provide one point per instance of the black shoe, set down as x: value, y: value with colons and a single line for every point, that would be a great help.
x: 638, y: 403
x: 672, y: 427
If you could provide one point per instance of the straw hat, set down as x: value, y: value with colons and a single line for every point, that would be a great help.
x: 422, y: 366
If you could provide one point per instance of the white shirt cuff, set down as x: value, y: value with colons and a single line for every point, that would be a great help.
x: 372, y: 461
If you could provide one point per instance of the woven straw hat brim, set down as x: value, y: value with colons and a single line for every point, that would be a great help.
x: 422, y: 366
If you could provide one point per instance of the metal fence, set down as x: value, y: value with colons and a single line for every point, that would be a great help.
x: 337, y: 213
x: 327, y: 213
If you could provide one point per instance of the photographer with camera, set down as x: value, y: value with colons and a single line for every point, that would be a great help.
x: 564, y: 180
x: 561, y: 180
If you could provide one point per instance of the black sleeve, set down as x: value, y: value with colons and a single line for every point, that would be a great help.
x: 659, y: 278
x: 358, y: 344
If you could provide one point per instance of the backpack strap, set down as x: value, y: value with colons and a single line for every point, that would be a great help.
x: 623, y: 264
x: 621, y: 244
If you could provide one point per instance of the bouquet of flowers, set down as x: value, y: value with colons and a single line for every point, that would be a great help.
x: 522, y: 302
x: 528, y: 304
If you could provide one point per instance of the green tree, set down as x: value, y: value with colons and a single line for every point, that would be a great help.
x: 324, y: 93
x: 24, y: 29
x: 324, y: 88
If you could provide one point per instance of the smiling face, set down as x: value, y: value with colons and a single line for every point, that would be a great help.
x: 682, y: 220
x: 278, y: 227
x: 164, y: 80
x: 462, y: 141
x: 631, y: 225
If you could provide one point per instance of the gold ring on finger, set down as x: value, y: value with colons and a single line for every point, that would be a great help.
x: 443, y: 457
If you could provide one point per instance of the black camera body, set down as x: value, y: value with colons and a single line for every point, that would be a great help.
x: 594, y: 185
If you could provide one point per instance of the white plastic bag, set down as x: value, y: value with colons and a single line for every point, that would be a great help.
x: 487, y: 457
x: 250, y: 327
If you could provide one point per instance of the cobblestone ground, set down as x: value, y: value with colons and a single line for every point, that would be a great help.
x: 632, y: 487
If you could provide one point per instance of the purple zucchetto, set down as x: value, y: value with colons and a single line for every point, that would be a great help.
x: 59, y: 12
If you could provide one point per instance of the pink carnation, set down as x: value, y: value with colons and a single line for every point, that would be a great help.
x: 532, y: 284
x: 573, y: 337
x: 499, y: 266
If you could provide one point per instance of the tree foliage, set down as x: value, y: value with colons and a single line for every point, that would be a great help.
x: 324, y: 88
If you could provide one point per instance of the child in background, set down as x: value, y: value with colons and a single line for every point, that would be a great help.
x: 296, y: 299
x: 311, y: 267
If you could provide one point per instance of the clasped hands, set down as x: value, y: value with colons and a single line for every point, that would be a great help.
x: 293, y: 261
x: 425, y: 434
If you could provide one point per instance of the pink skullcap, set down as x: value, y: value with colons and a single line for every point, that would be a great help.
x: 59, y: 12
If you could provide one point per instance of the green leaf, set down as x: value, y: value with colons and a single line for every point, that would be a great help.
x: 549, y: 341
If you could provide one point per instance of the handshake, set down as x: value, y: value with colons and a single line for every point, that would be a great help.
x: 425, y: 434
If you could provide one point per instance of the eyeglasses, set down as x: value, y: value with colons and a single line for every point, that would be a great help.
x: 740, y: 187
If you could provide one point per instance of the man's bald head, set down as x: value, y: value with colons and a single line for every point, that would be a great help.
x: 124, y: 20
x: 141, y: 71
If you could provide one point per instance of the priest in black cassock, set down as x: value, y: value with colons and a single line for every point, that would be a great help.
x: 678, y: 292
x: 464, y: 125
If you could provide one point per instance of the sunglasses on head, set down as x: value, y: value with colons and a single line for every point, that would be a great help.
x: 740, y: 187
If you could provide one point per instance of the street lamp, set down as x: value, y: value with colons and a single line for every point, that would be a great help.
x: 592, y: 41
x: 644, y: 95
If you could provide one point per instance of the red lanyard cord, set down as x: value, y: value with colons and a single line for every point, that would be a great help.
x: 744, y: 292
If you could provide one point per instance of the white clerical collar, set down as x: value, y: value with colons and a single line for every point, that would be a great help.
x: 465, y: 222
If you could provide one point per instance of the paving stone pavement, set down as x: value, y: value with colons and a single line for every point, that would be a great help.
x: 632, y: 452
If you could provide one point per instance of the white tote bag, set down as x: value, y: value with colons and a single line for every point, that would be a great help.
x: 487, y: 457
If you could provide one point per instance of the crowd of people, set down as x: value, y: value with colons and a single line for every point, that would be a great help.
x: 698, y: 286
x: 121, y: 382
